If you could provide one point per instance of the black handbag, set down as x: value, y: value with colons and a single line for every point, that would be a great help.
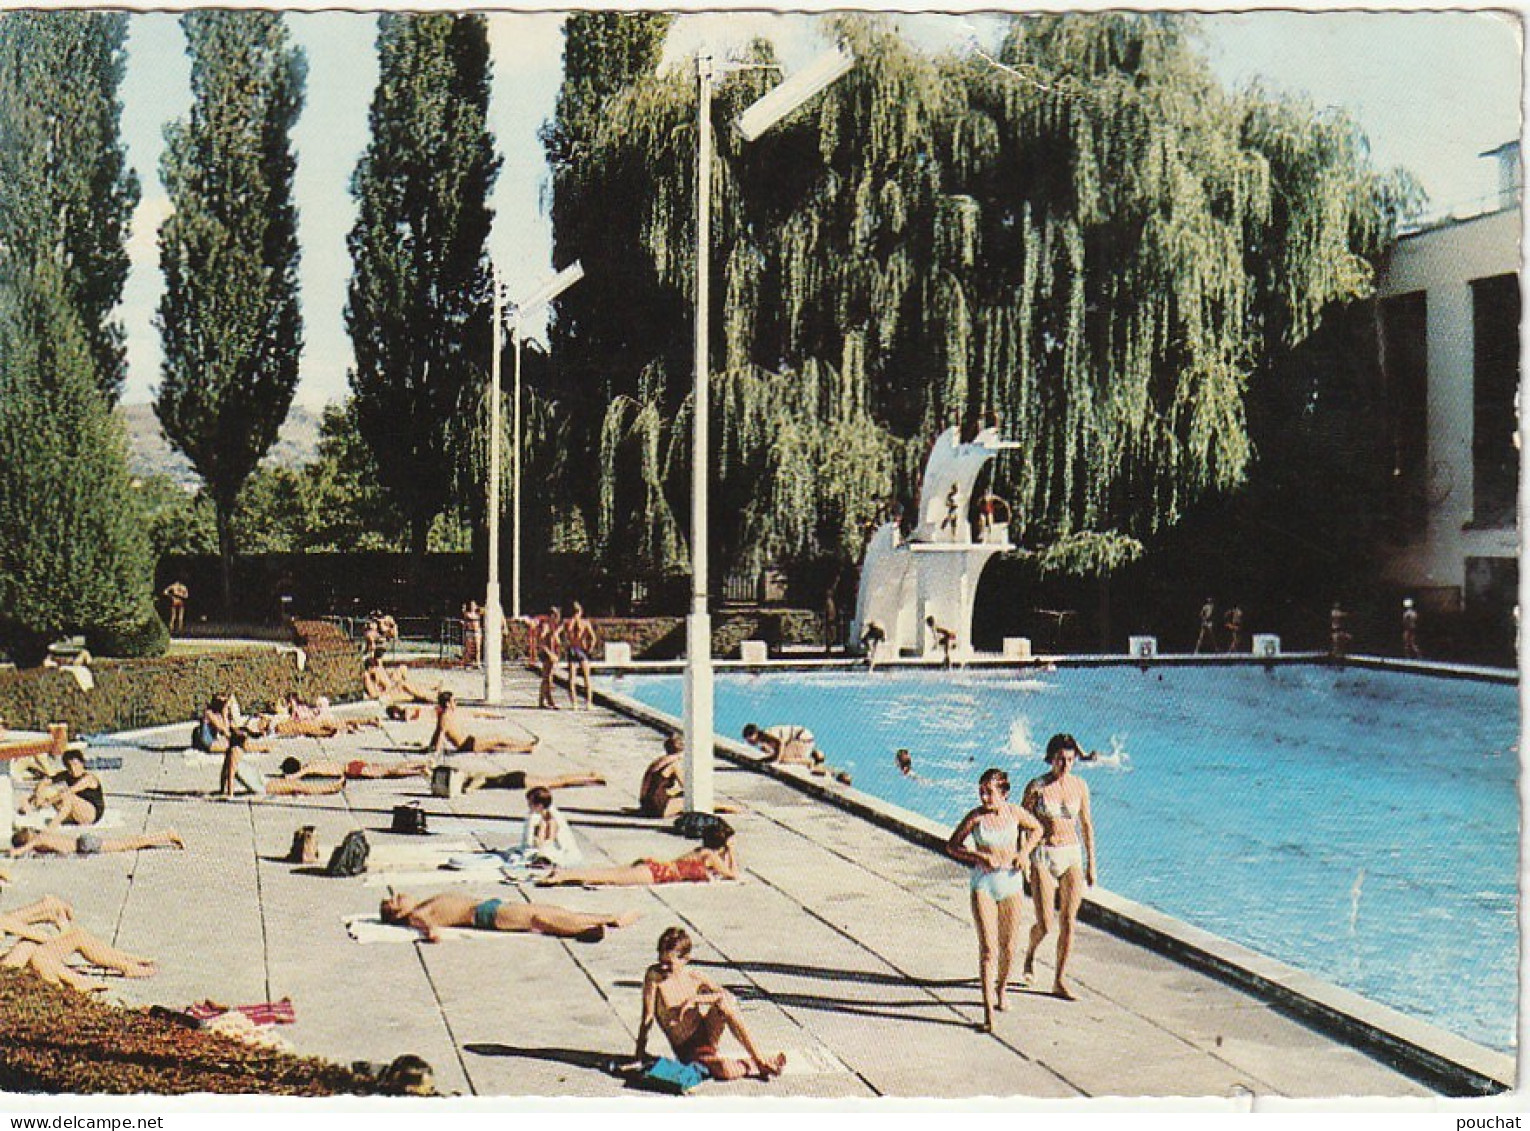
x: 409, y: 819
x: 694, y: 826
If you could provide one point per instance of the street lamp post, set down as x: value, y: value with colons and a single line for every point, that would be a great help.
x: 779, y: 102
x: 494, y: 614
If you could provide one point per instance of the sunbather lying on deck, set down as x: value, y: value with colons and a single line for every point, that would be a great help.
x: 294, y: 770
x: 714, y: 858
x: 449, y: 729
x: 305, y: 720
x: 49, y: 959
x: 28, y: 922
x: 520, y: 779
x: 428, y: 916
x: 35, y: 842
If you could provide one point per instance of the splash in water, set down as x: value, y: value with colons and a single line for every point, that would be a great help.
x: 1021, y: 745
x: 1354, y: 902
x: 1116, y: 758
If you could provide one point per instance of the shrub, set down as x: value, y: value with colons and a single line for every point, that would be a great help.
x: 149, y: 638
x: 60, y: 1041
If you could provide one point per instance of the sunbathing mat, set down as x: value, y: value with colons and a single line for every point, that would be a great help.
x: 415, y: 857
x: 368, y: 929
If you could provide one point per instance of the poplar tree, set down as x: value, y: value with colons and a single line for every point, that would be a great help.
x: 73, y: 553
x: 229, y: 319
x: 418, y: 309
x: 66, y: 193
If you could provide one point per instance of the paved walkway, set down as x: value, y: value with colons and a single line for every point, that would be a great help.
x: 849, y: 948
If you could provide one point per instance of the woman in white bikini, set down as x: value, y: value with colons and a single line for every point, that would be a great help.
x: 693, y: 1012
x: 1001, y: 837
x: 1064, y: 865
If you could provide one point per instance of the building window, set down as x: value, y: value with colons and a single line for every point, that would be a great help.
x: 1405, y: 370
x: 1495, y: 361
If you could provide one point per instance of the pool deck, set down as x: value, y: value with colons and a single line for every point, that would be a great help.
x: 848, y: 946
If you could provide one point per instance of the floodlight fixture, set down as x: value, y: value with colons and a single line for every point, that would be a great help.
x: 793, y: 92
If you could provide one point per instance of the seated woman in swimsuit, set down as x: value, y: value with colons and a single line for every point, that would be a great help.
x: 217, y: 726
x: 75, y: 794
x: 714, y: 858
x: 693, y: 1012
x: 49, y: 959
x: 662, y: 792
x: 392, y: 690
x: 448, y: 729
x: 428, y: 916
x: 32, y: 842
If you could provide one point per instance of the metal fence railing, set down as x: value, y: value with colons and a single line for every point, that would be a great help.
x: 440, y: 637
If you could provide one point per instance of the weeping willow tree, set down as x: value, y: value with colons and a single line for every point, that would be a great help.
x: 1085, y: 233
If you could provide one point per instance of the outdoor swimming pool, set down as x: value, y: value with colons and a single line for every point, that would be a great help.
x: 1362, y: 825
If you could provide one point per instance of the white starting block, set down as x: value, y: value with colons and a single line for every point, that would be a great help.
x: 1266, y: 644
x: 618, y: 652
x: 1143, y: 647
x: 756, y: 653
x: 1017, y: 647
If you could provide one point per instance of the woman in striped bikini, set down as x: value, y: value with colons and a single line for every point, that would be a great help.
x: 1064, y: 864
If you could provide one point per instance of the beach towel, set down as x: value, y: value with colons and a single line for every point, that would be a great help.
x: 433, y: 877
x: 404, y: 857
x: 260, y: 1013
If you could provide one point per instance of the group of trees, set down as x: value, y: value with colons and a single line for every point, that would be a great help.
x: 1084, y: 233
x: 78, y: 539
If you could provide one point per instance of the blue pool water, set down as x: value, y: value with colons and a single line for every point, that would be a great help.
x: 1362, y: 825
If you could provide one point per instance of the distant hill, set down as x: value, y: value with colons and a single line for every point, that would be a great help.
x: 149, y: 453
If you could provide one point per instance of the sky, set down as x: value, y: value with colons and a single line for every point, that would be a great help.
x: 1432, y: 90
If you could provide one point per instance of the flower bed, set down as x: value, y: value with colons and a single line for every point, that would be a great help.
x: 63, y: 1042
x: 139, y: 693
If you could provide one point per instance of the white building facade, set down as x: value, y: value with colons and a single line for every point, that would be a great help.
x: 1449, y: 311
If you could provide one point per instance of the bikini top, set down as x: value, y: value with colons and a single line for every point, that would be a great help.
x: 1004, y: 834
x: 1059, y: 810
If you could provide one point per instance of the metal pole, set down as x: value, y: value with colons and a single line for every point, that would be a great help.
x: 493, y: 613
x: 698, y: 625
x: 515, y: 477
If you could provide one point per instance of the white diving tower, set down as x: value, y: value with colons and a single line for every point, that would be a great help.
x: 935, y: 572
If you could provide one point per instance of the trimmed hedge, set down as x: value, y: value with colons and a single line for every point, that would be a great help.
x: 63, y: 1042
x: 138, y: 693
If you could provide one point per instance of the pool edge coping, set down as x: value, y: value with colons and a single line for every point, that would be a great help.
x: 1461, y: 1066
